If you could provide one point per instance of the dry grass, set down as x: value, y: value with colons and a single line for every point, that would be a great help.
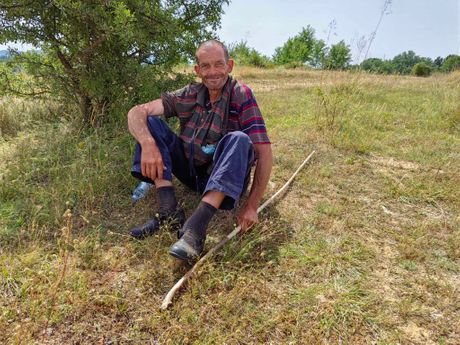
x: 363, y: 248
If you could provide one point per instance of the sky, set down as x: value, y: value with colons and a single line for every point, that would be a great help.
x: 431, y: 28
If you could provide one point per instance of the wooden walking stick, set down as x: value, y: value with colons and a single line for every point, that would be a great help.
x: 168, y: 299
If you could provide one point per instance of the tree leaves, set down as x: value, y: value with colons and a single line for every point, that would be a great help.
x: 98, y: 49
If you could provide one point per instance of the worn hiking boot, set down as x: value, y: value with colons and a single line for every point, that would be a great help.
x: 176, y: 219
x: 189, y: 247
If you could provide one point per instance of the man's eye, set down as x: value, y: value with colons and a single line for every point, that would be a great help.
x: 219, y: 65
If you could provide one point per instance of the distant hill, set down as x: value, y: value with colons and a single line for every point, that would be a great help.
x: 4, y: 54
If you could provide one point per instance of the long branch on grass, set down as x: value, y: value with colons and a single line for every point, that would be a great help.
x: 168, y: 299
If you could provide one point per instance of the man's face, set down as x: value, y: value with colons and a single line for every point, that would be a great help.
x: 212, y: 67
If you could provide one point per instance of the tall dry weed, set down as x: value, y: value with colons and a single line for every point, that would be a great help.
x: 17, y: 114
x: 9, y: 125
x: 333, y: 104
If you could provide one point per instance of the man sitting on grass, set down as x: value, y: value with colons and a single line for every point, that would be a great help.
x: 222, y: 135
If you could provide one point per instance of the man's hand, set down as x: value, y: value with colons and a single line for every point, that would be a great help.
x: 247, y: 217
x: 152, y: 162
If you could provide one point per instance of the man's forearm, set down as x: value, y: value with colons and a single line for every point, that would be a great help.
x: 261, y: 175
x: 137, y: 120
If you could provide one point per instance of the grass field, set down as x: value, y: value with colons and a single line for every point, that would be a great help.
x: 364, y: 248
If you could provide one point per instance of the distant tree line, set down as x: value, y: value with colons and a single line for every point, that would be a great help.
x: 410, y: 63
x: 305, y: 50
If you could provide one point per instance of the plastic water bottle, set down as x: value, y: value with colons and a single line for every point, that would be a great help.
x: 141, y: 191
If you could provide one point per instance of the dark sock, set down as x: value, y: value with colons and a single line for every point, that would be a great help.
x: 167, y: 199
x: 198, y: 222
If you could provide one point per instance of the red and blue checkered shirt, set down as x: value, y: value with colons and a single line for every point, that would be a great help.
x: 202, y: 123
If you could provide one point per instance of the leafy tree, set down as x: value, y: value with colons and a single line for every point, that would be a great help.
x: 318, y: 54
x: 428, y: 61
x: 452, y: 62
x: 373, y: 65
x: 438, y: 62
x: 247, y: 56
x: 404, y: 62
x: 297, y: 49
x: 103, y: 54
x: 338, y: 56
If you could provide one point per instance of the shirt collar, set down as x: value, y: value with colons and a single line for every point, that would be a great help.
x: 203, y: 93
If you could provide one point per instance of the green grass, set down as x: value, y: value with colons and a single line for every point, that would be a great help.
x: 362, y: 249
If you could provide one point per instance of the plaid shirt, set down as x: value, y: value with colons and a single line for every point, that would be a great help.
x: 203, y: 123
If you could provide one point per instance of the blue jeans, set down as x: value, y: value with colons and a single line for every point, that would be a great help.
x: 229, y: 171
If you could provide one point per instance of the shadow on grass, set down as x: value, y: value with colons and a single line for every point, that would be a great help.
x: 157, y: 271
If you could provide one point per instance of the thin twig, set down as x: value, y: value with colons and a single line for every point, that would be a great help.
x: 168, y: 299
x: 386, y: 5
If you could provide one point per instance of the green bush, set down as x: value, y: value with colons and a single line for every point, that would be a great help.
x: 294, y: 64
x: 9, y: 125
x: 247, y: 56
x: 421, y: 69
x: 379, y: 66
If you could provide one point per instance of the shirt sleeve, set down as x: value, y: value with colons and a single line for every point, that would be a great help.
x: 170, y: 100
x: 250, y: 118
x: 181, y: 102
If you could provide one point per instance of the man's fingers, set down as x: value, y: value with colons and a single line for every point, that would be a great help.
x: 159, y: 171
x: 245, y: 225
x: 143, y: 169
x: 148, y: 171
x: 153, y: 172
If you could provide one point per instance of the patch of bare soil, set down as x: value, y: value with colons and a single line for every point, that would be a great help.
x: 391, y: 163
x: 417, y: 334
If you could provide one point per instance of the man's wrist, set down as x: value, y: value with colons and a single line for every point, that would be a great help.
x: 251, y: 203
x: 147, y: 142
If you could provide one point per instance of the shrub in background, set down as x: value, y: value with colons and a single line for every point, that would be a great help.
x: 247, y: 56
x: 376, y: 65
x: 421, y: 69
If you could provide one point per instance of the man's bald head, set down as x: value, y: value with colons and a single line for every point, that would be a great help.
x: 211, y: 44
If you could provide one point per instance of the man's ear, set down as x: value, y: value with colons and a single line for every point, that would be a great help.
x: 197, y: 70
x: 230, y: 65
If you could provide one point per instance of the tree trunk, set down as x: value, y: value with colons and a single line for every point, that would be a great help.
x: 86, y: 109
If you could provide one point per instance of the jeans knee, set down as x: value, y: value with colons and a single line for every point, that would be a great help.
x: 157, y: 126
x: 154, y: 122
x: 239, y: 137
x: 236, y: 143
